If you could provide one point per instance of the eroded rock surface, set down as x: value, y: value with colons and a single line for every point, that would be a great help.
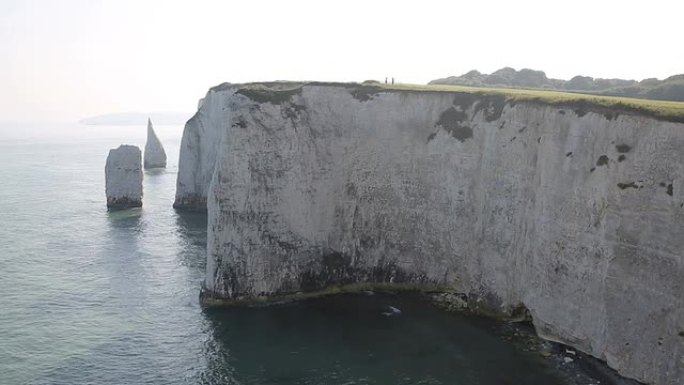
x: 577, y: 215
x: 155, y: 156
x: 123, y: 177
x: 201, y: 138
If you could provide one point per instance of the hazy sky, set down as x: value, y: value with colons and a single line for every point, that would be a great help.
x: 68, y: 59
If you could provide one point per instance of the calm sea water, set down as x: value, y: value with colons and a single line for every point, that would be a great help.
x: 92, y: 297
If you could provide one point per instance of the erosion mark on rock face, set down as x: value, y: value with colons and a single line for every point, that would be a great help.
x: 465, y: 100
x: 621, y: 158
x: 335, y: 268
x: 580, y: 112
x: 491, y: 105
x: 670, y: 189
x: 623, y: 186
x: 389, y: 271
x: 351, y: 190
x: 453, y: 122
x: 365, y: 93
x: 431, y: 136
x: 610, y: 115
x: 602, y: 161
x: 592, y: 169
x: 623, y: 148
x: 292, y: 111
x: 268, y: 95
x: 569, y: 154
x: 230, y: 276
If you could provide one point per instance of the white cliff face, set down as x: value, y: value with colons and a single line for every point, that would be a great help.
x: 123, y: 177
x: 155, y: 156
x: 199, y: 144
x: 576, y: 215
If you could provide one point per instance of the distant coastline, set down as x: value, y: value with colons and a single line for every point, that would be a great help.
x: 671, y: 88
x: 137, y: 118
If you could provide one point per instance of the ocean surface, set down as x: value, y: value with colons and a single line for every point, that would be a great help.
x: 89, y: 296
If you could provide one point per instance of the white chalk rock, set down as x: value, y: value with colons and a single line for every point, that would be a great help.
x: 155, y: 156
x: 123, y: 177
x: 574, y: 211
x: 199, y: 146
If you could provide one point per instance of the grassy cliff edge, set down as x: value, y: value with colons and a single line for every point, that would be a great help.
x: 611, y: 106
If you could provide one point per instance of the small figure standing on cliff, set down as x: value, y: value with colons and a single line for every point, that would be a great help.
x: 385, y: 79
x: 392, y: 80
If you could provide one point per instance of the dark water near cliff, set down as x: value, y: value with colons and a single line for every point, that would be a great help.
x: 88, y: 296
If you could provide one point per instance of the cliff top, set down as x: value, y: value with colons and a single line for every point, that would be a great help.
x: 281, y: 91
x: 671, y: 88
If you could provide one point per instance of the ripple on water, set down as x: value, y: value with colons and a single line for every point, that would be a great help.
x: 91, y: 296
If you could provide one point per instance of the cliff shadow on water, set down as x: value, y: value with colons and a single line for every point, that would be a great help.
x: 366, y: 338
x: 192, y: 233
x: 153, y: 172
x: 125, y: 225
x: 120, y: 259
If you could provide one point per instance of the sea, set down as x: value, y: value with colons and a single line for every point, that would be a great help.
x: 89, y: 296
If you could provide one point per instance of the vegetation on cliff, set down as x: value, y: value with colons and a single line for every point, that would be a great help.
x: 671, y: 88
x: 581, y: 103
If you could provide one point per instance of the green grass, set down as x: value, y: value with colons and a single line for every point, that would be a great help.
x: 609, y: 106
x: 659, y: 109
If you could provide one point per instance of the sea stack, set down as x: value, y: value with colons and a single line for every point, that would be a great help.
x: 155, y: 157
x: 123, y: 177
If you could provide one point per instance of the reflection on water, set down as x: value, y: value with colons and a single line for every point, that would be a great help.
x: 347, y: 340
x: 155, y: 171
x: 124, y: 221
x: 192, y: 236
x: 192, y: 226
x: 90, y: 296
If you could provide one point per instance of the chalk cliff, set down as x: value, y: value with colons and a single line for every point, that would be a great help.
x: 199, y: 144
x: 576, y: 213
x: 123, y: 177
x: 155, y: 156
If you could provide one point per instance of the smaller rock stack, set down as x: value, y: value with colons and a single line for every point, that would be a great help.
x: 155, y: 156
x: 123, y: 177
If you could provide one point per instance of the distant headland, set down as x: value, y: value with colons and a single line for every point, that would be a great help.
x: 671, y: 88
